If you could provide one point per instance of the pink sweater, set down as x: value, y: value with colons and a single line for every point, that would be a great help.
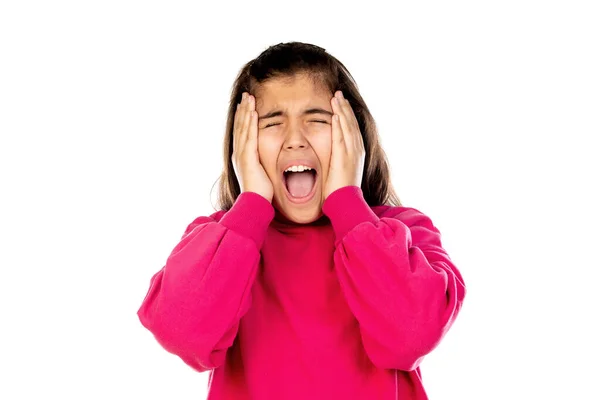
x: 345, y: 308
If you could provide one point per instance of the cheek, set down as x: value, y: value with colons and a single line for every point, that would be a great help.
x: 268, y: 152
x: 322, y: 147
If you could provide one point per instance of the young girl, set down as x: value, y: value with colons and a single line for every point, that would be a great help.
x: 311, y: 281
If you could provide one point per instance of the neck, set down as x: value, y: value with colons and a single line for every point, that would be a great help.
x: 282, y: 220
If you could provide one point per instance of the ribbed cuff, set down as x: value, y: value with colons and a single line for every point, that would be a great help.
x: 250, y: 216
x: 346, y: 208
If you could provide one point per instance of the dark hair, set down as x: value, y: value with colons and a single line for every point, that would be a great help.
x: 289, y: 59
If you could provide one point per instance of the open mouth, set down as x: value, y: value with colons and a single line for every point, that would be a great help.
x: 300, y: 184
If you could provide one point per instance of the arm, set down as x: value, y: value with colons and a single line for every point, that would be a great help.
x: 195, y: 302
x: 398, y: 280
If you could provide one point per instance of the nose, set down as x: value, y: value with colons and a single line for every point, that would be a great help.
x: 295, y: 138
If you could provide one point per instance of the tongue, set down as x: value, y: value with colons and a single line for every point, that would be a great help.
x: 299, y: 184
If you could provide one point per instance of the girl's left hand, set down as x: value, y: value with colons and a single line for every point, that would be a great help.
x: 347, y: 148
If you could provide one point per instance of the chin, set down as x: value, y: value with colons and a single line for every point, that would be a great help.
x: 304, y: 213
x: 303, y: 203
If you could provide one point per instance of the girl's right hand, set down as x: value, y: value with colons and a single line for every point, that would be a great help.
x: 250, y: 173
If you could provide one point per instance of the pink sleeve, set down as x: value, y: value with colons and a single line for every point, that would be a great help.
x: 195, y: 302
x: 400, y: 284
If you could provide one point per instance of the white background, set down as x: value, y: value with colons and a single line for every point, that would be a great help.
x: 112, y: 116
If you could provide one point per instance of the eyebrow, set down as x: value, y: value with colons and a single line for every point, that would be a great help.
x: 309, y: 111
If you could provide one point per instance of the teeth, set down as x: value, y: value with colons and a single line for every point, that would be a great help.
x: 298, y: 168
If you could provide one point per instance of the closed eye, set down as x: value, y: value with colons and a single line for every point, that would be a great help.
x: 279, y: 123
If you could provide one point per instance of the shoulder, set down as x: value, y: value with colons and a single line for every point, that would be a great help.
x: 423, y: 233
x: 410, y: 216
x: 204, y: 219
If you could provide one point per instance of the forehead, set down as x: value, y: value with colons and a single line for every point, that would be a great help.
x: 291, y: 91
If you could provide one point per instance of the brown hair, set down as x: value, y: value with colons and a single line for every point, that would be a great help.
x: 288, y: 59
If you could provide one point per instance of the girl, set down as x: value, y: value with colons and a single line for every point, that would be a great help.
x: 311, y: 281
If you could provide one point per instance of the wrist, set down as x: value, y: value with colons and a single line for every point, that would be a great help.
x: 250, y: 216
x: 347, y: 208
x: 266, y: 196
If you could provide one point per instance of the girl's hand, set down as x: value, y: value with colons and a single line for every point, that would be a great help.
x: 347, y: 148
x: 250, y: 173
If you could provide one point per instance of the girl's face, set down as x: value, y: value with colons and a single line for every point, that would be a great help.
x: 294, y: 129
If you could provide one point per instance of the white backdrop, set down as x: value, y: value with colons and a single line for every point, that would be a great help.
x: 112, y: 117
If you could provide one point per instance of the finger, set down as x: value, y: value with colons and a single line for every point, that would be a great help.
x: 352, y: 129
x: 341, y: 123
x: 337, y: 137
x: 344, y: 105
x: 253, y: 130
x: 237, y: 123
x: 348, y: 111
x: 237, y: 111
x: 243, y: 122
x: 248, y: 108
